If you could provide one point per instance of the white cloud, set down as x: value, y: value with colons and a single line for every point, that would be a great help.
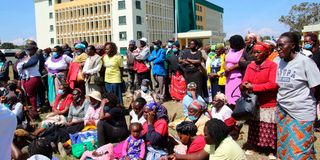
x: 263, y: 31
x: 20, y: 41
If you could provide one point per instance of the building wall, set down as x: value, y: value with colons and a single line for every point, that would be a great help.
x: 131, y: 27
x: 201, y: 15
x: 160, y: 20
x: 84, y: 20
x: 214, y: 20
x: 45, y: 36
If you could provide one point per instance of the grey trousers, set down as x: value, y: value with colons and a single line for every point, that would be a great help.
x: 160, y: 86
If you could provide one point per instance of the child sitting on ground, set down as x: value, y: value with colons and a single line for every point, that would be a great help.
x: 134, y: 146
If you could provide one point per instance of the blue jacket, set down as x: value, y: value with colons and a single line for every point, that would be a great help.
x: 158, y: 57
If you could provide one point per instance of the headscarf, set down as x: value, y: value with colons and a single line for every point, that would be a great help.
x: 221, y: 97
x: 80, y: 46
x: 160, y: 111
x: 262, y: 47
x: 192, y: 85
x: 197, y: 105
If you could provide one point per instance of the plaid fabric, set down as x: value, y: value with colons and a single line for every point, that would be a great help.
x: 295, y: 138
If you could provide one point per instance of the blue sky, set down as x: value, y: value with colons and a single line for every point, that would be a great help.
x: 240, y: 16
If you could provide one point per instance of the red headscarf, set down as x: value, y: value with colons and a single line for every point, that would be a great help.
x: 262, y: 47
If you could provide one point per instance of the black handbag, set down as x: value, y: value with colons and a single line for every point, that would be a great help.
x: 246, y: 106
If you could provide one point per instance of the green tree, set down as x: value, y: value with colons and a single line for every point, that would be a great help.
x: 301, y: 15
x: 7, y: 45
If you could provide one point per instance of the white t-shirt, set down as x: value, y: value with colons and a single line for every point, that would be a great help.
x: 295, y: 78
x: 224, y: 113
x: 61, y: 64
x: 8, y: 124
x: 135, y: 118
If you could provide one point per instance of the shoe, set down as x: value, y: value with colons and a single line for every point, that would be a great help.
x: 272, y: 157
x: 61, y: 150
x: 249, y: 152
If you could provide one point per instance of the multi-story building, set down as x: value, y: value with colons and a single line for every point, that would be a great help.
x: 199, y: 15
x: 100, y: 21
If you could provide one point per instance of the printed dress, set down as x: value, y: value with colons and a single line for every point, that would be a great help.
x: 134, y: 148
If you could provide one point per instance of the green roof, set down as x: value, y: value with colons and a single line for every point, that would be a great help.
x: 210, y: 5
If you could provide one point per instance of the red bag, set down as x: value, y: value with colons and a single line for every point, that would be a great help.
x: 178, y: 87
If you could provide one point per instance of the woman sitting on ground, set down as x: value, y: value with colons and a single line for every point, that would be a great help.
x: 136, y: 114
x: 221, y: 111
x: 60, y: 109
x: 155, y: 130
x: 112, y: 127
x: 145, y: 92
x: 219, y: 145
x: 92, y: 115
x: 75, y: 118
x: 187, y: 132
x: 198, y: 114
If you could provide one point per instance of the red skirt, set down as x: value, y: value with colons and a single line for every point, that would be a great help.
x: 178, y: 86
x: 262, y: 134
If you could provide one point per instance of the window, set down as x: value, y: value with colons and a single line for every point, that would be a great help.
x: 121, y: 5
x: 52, y: 40
x: 50, y: 15
x: 122, y: 36
x: 139, y: 20
x: 51, y: 28
x: 138, y: 5
x: 50, y: 2
x: 139, y: 35
x: 123, y: 51
x: 122, y: 20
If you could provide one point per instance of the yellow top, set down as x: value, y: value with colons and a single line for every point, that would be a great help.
x: 81, y: 58
x: 222, y: 78
x: 113, y: 65
x: 227, y: 150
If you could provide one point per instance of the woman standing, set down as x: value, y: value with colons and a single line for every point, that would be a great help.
x: 260, y: 78
x: 233, y: 73
x: 297, y: 77
x: 31, y: 84
x: 178, y: 84
x: 57, y: 66
x: 114, y: 71
x: 91, y: 70
x: 191, y: 65
x: 215, y: 70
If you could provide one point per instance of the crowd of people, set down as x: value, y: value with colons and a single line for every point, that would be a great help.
x: 70, y: 100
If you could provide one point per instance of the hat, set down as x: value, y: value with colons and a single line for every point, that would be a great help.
x: 191, y: 85
x: 145, y: 82
x: 144, y: 39
x: 221, y: 96
x: 220, y: 45
x: 132, y: 42
x: 213, y: 47
x: 80, y: 46
x: 95, y: 95
x: 157, y: 42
